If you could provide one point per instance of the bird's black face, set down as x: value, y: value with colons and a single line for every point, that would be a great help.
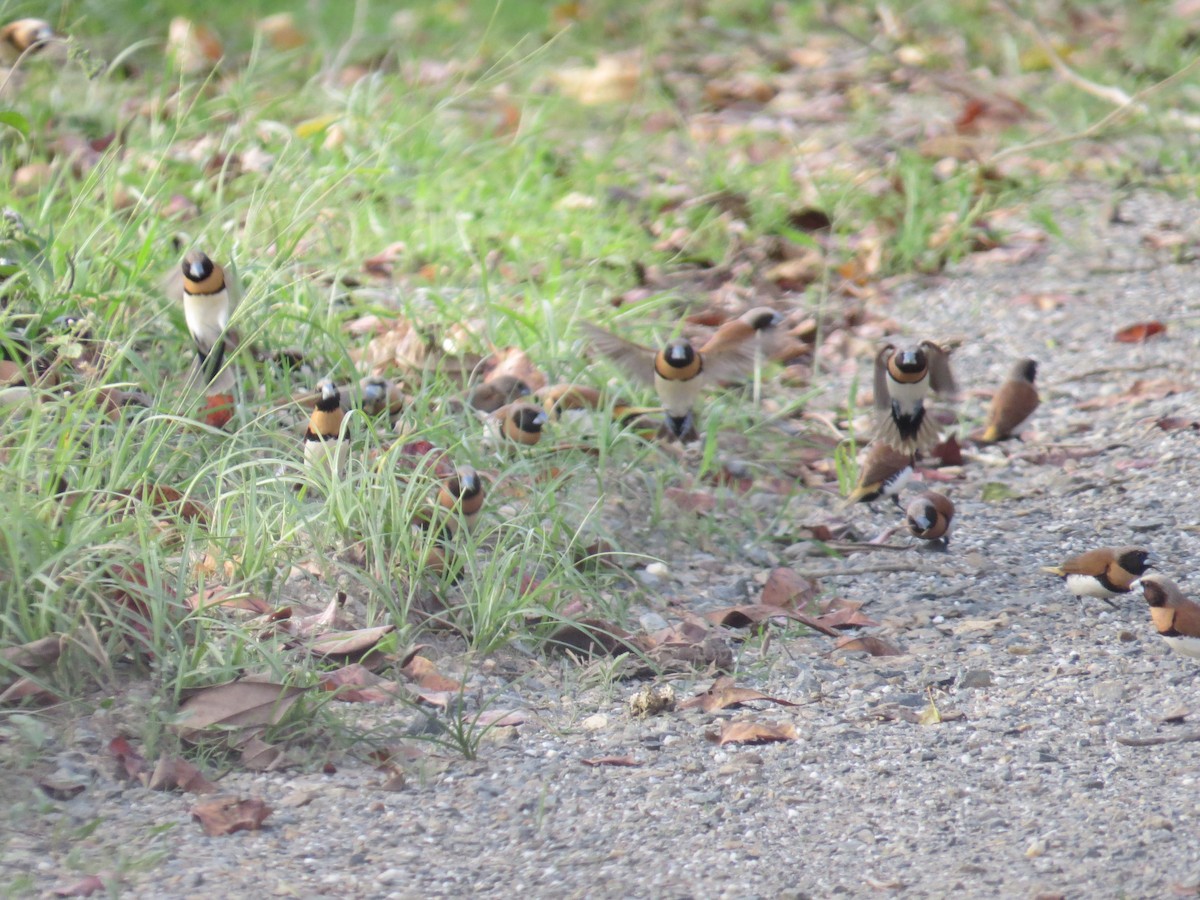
x: 925, y: 520
x: 679, y: 354
x: 1136, y: 561
x: 531, y: 419
x: 1029, y: 370
x: 911, y: 361
x: 1154, y: 594
x: 374, y: 391
x: 330, y: 396
x: 197, y: 266
x: 466, y: 484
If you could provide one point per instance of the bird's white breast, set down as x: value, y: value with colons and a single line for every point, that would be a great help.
x: 207, y: 317
x: 677, y: 397
x: 1087, y: 586
x: 1188, y: 646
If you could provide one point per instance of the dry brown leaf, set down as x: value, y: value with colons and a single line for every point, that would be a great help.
x: 259, y: 756
x: 129, y: 759
x: 756, y: 733
x: 614, y: 79
x: 194, y: 48
x: 25, y: 689
x: 235, y: 705
x: 172, y: 772
x: 869, y: 643
x: 225, y: 815
x: 724, y: 693
x: 627, y: 761
x: 1141, y: 389
x: 224, y: 597
x: 1139, y: 333
x: 313, y: 623
x: 85, y: 887
x: 356, y: 683
x: 501, y: 718
x: 425, y: 674
x: 845, y: 614
x: 35, y: 654
x: 788, y: 589
x: 947, y: 452
x: 512, y: 361
x: 754, y: 614
x: 359, y: 642
x: 1176, y: 423
x: 691, y: 501
x: 162, y: 498
x: 589, y: 637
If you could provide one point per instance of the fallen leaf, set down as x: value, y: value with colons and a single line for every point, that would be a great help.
x: 876, y: 646
x: 995, y: 491
x: 26, y: 689
x: 691, y: 501
x: 756, y: 733
x: 845, y: 614
x: 236, y: 705
x: 172, y: 772
x: 194, y: 48
x: 930, y: 715
x: 225, y: 815
x: 83, y: 888
x: 948, y: 452
x: 589, y: 637
x: 425, y: 674
x: 1139, y: 333
x: 359, y: 642
x: 218, y: 409
x: 162, y: 498
x: 356, y: 683
x: 724, y: 693
x: 224, y: 597
x: 34, y: 654
x: 498, y: 718
x: 1176, y: 423
x: 511, y: 361
x: 627, y: 761
x: 1141, y: 389
x: 259, y: 756
x: 754, y: 614
x: 809, y: 219
x: 614, y: 79
x: 788, y: 589
x: 129, y: 759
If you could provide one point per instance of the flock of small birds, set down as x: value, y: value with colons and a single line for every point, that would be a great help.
x: 680, y: 372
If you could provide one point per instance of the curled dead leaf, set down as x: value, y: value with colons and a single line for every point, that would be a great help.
x: 1139, y: 332
x: 754, y: 614
x: 225, y: 815
x: 236, y: 705
x: 748, y: 732
x: 627, y: 761
x: 868, y: 643
x: 724, y: 693
x: 788, y: 589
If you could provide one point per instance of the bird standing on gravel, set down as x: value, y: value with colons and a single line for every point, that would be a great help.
x: 1104, y: 573
x: 680, y: 372
x: 903, y: 379
x: 24, y: 36
x: 883, y: 473
x: 929, y: 515
x: 1013, y: 404
x: 517, y: 423
x: 1176, y: 618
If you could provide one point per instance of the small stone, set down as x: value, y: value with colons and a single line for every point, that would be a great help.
x: 1108, y: 691
x: 652, y: 699
x: 389, y: 876
x: 595, y: 722
x: 658, y: 570
x: 1036, y: 848
x: 976, y: 678
x: 1160, y: 822
x: 652, y: 622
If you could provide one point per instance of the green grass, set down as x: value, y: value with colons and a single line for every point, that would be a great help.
x: 294, y: 175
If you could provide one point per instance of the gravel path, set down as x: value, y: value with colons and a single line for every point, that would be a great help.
x: 1023, y: 790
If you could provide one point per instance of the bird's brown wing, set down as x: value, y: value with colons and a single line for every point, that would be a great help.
x: 941, y: 378
x: 729, y: 359
x: 883, y: 400
x: 1012, y: 405
x: 1094, y: 562
x: 634, y: 359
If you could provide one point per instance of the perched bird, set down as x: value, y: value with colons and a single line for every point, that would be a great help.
x: 519, y: 423
x: 903, y: 378
x: 883, y: 473
x: 1175, y: 616
x: 1103, y: 573
x: 500, y: 391
x: 461, y: 495
x: 379, y: 395
x: 24, y: 35
x: 1013, y: 404
x: 929, y: 516
x: 324, y: 450
x: 207, y: 307
x: 679, y: 372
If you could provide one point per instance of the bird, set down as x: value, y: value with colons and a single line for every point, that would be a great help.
x: 1013, y: 404
x: 929, y: 515
x: 679, y: 371
x: 903, y: 378
x: 24, y: 36
x: 379, y: 395
x: 500, y: 391
x: 883, y: 473
x: 518, y: 423
x: 1176, y: 618
x: 207, y: 307
x: 324, y: 450
x: 461, y: 495
x: 760, y: 326
x: 1104, y: 573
